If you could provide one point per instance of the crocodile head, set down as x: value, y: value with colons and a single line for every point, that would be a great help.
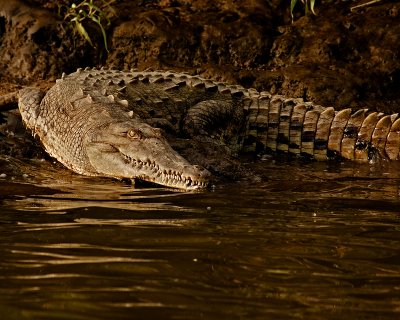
x: 135, y: 150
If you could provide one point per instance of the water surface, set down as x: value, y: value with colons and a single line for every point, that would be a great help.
x: 295, y: 241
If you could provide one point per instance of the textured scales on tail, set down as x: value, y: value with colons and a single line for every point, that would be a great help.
x: 301, y: 128
x: 291, y: 125
x: 106, y: 122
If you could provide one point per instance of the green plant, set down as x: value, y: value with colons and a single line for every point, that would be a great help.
x: 308, y: 6
x: 77, y: 15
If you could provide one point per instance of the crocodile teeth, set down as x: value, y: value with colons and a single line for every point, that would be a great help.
x: 130, y: 114
x: 123, y: 102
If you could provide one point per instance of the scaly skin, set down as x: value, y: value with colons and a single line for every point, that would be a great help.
x: 106, y: 123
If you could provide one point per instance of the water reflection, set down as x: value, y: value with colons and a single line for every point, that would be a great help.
x: 294, y: 240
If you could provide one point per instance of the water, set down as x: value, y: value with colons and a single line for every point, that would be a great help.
x: 296, y: 241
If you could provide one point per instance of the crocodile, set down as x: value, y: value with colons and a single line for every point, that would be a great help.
x: 112, y: 123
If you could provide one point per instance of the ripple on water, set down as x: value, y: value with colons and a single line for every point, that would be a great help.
x: 297, y: 240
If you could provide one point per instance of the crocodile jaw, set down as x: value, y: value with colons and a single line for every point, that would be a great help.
x: 138, y: 151
x: 188, y: 177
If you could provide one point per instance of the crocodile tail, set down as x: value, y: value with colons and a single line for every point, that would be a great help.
x: 276, y: 123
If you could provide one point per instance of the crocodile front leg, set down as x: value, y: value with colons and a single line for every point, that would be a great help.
x: 223, y: 120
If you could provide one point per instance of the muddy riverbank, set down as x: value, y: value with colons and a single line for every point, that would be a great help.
x: 340, y: 57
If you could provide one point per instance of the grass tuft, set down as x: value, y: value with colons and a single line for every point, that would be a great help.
x: 308, y: 6
x: 77, y: 15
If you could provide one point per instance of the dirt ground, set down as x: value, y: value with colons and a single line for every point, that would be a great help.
x: 340, y: 57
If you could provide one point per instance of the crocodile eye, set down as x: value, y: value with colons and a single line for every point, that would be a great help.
x: 134, y: 134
